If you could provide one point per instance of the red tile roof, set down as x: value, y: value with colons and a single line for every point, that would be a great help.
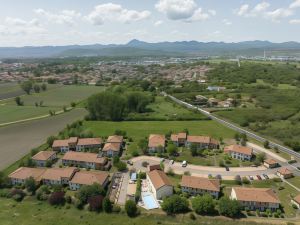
x: 265, y: 195
x: 239, y: 149
x: 156, y: 140
x: 89, y: 141
x: 89, y: 177
x: 43, y: 155
x: 200, y: 183
x: 159, y: 179
x: 84, y: 157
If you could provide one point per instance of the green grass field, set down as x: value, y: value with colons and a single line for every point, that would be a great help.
x: 55, y: 98
x: 30, y: 211
x: 140, y: 129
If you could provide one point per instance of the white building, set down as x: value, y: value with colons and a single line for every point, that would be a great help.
x: 159, y: 184
x: 239, y: 152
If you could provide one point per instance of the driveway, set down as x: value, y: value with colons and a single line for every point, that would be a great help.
x: 123, y: 189
x: 204, y: 171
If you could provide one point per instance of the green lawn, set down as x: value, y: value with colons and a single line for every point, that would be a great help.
x: 163, y: 109
x: 30, y: 211
x: 295, y: 181
x: 55, y: 98
x: 140, y: 129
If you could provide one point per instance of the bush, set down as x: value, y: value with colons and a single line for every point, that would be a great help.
x: 57, y: 198
x: 203, y: 204
x: 130, y: 208
x: 121, y: 166
x: 175, y: 204
x: 107, y: 206
x: 95, y: 203
x: 192, y: 216
x: 17, y: 194
x: 228, y: 207
x: 245, y: 180
x: 116, y: 209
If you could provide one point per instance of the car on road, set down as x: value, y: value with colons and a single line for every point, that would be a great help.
x: 171, y: 162
x: 227, y: 168
x: 129, y: 163
x: 251, y: 178
x: 266, y: 176
x: 258, y: 177
x: 184, y: 164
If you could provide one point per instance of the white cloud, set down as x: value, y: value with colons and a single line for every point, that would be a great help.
x: 158, y: 23
x: 278, y: 14
x: 295, y: 21
x: 17, y: 26
x: 115, y: 12
x: 295, y: 4
x: 243, y: 10
x: 226, y: 22
x: 261, y: 7
x: 185, y: 10
x: 63, y: 17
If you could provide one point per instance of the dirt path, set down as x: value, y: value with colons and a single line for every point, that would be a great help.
x: 18, y: 139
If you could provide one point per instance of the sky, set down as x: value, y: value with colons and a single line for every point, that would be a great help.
x: 68, y: 22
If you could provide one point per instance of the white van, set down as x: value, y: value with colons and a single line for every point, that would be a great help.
x: 184, y: 163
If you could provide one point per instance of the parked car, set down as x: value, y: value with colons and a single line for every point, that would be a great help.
x: 227, y: 168
x: 129, y: 162
x: 266, y: 176
x: 251, y: 178
x: 258, y: 177
x: 184, y: 164
x: 171, y: 162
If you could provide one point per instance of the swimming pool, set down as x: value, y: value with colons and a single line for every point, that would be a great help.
x: 149, y: 201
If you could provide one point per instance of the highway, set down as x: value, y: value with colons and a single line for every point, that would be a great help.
x: 234, y: 127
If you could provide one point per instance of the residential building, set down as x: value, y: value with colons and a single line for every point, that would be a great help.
x: 111, y: 149
x: 84, y: 159
x: 284, y: 173
x: 256, y: 198
x: 115, y: 139
x: 200, y: 185
x: 179, y: 139
x: 83, y: 178
x: 296, y: 201
x: 271, y: 163
x: 88, y: 144
x: 202, y: 142
x: 156, y: 143
x: 41, y: 158
x: 239, y: 152
x: 159, y: 184
x: 58, y: 176
x: 19, y: 176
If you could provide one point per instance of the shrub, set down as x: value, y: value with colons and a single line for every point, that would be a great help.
x: 228, y: 207
x: 57, y: 198
x: 107, y: 206
x: 17, y: 194
x: 192, y: 216
x: 203, y: 204
x: 175, y: 204
x: 130, y: 208
x: 95, y: 203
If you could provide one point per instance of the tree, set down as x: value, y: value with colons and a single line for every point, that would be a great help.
x: 143, y: 145
x: 260, y: 157
x: 228, y: 207
x: 267, y: 144
x: 4, y: 180
x: 44, y: 87
x: 130, y: 208
x: 30, y: 185
x: 172, y: 149
x: 121, y: 166
x: 194, y: 149
x: 106, y: 205
x: 18, y: 101
x: 26, y: 86
x: 50, y: 140
x: 175, y: 204
x: 36, y: 88
x: 238, y: 179
x: 57, y: 198
x: 95, y: 203
x: 85, y: 192
x: 137, y: 102
x: 203, y: 204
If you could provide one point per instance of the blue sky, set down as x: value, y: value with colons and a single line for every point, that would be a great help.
x: 64, y: 22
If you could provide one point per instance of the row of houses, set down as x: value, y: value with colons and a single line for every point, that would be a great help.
x: 157, y: 142
x: 252, y: 198
x: 71, y: 176
x: 110, y: 148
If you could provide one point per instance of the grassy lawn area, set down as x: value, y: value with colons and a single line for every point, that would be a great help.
x: 55, y: 98
x: 295, y: 181
x: 30, y: 211
x: 140, y: 129
x: 163, y: 109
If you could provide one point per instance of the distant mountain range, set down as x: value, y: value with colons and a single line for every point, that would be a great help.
x: 140, y: 48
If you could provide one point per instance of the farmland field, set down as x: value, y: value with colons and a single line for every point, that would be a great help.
x: 31, y: 212
x: 140, y: 129
x: 10, y: 90
x: 55, y: 98
x: 18, y: 139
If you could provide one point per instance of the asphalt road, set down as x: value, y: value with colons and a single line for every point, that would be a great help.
x: 234, y: 127
x: 18, y: 139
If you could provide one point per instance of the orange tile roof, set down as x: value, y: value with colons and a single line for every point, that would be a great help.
x: 297, y: 199
x: 89, y: 141
x: 156, y: 140
x: 84, y: 157
x: 284, y: 171
x: 115, y: 138
x: 200, y: 183
x: 201, y: 139
x: 89, y: 177
x: 59, y: 173
x: 239, y: 149
x: 26, y: 172
x: 175, y: 137
x: 159, y: 179
x: 111, y: 147
x: 270, y: 161
x: 43, y: 155
x: 60, y: 143
x: 266, y: 195
x: 73, y: 140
